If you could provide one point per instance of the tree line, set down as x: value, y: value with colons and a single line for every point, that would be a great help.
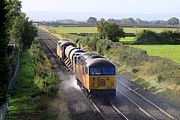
x: 172, y: 22
x: 16, y: 28
x: 138, y: 22
x: 125, y: 22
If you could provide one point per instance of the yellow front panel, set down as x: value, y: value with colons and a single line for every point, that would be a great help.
x: 102, y: 82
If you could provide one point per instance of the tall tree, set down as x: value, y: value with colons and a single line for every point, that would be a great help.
x: 4, y: 76
x: 9, y: 13
x: 91, y: 20
x: 139, y: 21
x: 101, y: 28
x: 110, y: 31
x: 24, y: 31
x: 114, y: 32
x: 128, y: 21
x: 173, y: 21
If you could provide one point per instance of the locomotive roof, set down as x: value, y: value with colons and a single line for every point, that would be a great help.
x: 93, y: 59
x: 99, y: 62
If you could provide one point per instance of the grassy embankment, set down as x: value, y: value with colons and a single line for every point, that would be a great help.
x: 167, y: 51
x: 35, y: 95
x: 157, y: 74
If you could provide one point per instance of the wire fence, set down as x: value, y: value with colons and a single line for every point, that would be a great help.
x: 4, y: 108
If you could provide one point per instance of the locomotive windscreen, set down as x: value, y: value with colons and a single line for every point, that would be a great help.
x: 95, y: 71
x: 102, y: 71
x: 108, y: 71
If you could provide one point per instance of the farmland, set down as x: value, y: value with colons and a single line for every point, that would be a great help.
x: 168, y: 51
x: 94, y: 29
x: 74, y: 29
x: 128, y: 39
x: 135, y: 30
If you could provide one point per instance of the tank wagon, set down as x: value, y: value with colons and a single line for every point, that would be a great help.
x: 94, y: 73
x: 61, y: 46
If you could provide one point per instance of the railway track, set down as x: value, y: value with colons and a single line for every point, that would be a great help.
x: 148, y: 108
x: 106, y: 109
x: 49, y: 46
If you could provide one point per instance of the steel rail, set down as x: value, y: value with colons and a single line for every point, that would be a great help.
x: 160, y: 109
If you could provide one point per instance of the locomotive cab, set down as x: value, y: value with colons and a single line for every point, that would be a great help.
x: 102, y: 77
x: 96, y: 74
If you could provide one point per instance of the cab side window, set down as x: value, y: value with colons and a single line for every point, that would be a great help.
x: 86, y: 70
x: 83, y: 70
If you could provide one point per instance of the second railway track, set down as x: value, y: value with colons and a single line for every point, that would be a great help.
x: 149, y: 108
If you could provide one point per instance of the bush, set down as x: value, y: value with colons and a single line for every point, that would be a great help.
x: 165, y: 37
x: 35, y: 87
x: 90, y: 42
x: 103, y: 46
x: 135, y: 70
x: 169, y: 37
x: 147, y: 37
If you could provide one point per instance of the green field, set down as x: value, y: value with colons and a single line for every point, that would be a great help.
x: 168, y: 51
x: 74, y: 29
x: 128, y: 39
x: 94, y: 29
x: 158, y: 30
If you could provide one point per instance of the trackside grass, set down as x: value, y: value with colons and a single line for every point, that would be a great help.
x: 168, y: 51
x: 35, y: 95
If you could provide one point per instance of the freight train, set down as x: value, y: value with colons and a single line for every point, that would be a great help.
x: 95, y: 73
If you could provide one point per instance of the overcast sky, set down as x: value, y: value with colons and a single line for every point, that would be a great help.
x: 104, y: 6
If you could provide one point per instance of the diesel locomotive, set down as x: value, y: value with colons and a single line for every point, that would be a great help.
x: 95, y: 73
